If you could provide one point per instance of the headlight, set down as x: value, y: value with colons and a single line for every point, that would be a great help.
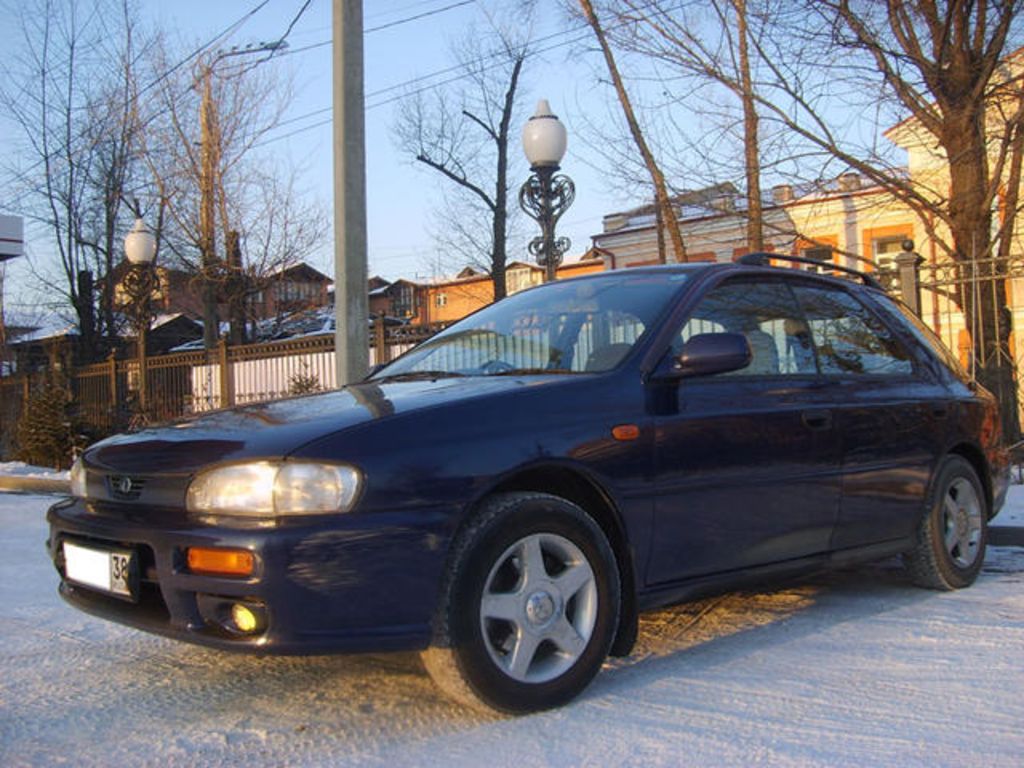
x: 78, y: 487
x: 266, y: 489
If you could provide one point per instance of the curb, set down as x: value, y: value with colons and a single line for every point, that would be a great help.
x: 1005, y: 536
x: 19, y: 484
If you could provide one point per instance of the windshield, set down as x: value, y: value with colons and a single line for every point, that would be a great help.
x: 578, y: 326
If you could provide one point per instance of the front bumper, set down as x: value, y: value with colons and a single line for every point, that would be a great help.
x: 350, y: 584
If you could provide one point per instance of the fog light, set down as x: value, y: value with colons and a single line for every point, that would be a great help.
x: 244, y: 619
x: 220, y: 562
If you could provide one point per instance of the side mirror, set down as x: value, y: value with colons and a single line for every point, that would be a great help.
x: 709, y: 353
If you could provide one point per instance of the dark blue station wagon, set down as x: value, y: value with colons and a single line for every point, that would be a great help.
x: 507, y: 496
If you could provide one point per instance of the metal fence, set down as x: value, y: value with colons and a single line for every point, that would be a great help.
x: 977, y: 309
x: 119, y: 393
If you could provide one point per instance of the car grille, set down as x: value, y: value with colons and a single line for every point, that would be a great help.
x: 125, y: 487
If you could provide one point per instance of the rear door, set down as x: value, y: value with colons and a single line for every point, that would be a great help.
x: 747, y: 463
x: 892, y: 414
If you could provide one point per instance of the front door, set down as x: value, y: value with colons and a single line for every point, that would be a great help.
x: 747, y: 463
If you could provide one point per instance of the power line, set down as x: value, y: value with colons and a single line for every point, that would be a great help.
x: 388, y: 25
x: 230, y: 29
x: 423, y: 15
x: 429, y: 86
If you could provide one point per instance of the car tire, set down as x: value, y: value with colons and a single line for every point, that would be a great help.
x: 951, y: 539
x: 529, y: 606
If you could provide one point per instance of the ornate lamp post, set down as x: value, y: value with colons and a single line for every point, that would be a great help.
x: 544, y: 196
x: 139, y: 283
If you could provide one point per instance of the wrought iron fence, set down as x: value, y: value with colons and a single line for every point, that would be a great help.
x: 977, y: 309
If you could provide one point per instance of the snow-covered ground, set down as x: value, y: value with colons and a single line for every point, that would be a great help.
x: 853, y: 669
x: 21, y: 469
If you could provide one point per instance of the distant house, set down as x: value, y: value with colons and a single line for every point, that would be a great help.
x: 297, y: 288
x: 169, y: 331
x: 400, y: 300
x: 450, y: 299
x: 293, y: 289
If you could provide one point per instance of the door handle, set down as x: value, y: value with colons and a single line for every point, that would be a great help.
x: 817, y: 420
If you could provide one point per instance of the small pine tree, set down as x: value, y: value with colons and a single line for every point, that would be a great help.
x: 304, y: 382
x: 44, y: 433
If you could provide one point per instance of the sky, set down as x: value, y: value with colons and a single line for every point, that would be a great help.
x: 402, y: 195
x: 407, y: 46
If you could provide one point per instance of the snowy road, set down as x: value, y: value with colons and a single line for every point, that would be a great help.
x: 854, y: 669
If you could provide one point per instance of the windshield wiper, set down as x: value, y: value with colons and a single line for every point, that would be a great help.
x: 420, y: 376
x: 531, y: 372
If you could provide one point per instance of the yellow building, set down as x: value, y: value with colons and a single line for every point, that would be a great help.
x: 844, y: 221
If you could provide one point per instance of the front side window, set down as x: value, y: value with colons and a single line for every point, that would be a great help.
x: 850, y: 340
x: 767, y: 314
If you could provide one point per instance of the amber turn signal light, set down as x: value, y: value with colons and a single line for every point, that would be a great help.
x: 626, y: 432
x: 220, y: 562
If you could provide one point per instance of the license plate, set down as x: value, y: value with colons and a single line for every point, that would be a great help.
x: 109, y: 570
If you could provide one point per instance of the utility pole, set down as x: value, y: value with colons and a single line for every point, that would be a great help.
x: 351, y: 300
x: 207, y: 222
x: 210, y: 168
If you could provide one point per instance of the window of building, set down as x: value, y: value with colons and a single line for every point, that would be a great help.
x: 818, y: 253
x: 441, y: 300
x: 404, y: 304
x: 884, y: 250
x: 520, y: 279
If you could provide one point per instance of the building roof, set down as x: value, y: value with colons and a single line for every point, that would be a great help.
x: 300, y: 271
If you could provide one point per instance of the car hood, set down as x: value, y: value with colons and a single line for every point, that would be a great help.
x: 276, y: 429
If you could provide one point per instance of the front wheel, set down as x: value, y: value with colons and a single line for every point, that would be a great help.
x: 530, y: 606
x: 951, y: 541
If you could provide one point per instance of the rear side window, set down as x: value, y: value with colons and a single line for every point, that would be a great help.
x: 850, y: 340
x: 916, y: 327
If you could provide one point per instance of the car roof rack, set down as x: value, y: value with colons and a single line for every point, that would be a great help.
x: 763, y: 259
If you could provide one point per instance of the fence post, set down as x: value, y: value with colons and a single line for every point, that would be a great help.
x: 227, y: 395
x: 380, y: 341
x: 112, y: 378
x: 907, y: 264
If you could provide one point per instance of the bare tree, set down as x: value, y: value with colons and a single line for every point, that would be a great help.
x: 942, y: 61
x: 71, y: 92
x: 816, y: 71
x: 463, y: 133
x: 233, y: 217
x: 665, y: 210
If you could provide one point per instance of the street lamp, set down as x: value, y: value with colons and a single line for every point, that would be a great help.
x: 544, y: 197
x: 139, y: 282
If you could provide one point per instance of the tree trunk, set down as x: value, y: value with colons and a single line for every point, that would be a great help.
x: 985, y: 307
x: 661, y: 196
x: 751, y: 148
x: 499, y: 233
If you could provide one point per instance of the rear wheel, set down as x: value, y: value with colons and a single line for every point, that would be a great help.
x: 530, y: 606
x: 951, y: 541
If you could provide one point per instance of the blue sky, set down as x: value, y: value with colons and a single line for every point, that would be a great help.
x: 401, y: 195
